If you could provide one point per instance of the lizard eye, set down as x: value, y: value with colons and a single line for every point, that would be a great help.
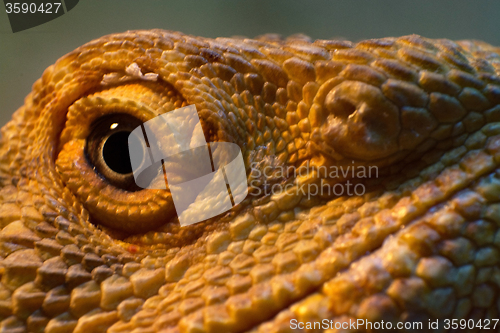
x: 107, y: 149
x: 94, y: 162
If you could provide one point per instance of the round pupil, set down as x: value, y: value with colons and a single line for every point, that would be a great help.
x: 115, y: 153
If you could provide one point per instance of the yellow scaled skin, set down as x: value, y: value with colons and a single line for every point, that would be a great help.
x: 78, y: 254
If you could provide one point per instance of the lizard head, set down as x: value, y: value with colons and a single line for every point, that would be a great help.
x: 83, y: 248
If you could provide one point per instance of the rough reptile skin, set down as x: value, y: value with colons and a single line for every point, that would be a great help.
x: 79, y: 253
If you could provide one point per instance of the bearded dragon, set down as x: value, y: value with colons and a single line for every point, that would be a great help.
x: 84, y: 250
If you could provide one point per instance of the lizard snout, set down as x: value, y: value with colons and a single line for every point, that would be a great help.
x: 361, y: 123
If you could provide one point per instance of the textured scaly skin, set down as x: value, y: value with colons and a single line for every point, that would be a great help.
x: 78, y: 254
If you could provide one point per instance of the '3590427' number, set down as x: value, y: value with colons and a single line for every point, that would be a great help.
x: 25, y: 7
x: 462, y: 324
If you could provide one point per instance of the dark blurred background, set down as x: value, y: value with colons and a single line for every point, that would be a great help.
x: 24, y: 55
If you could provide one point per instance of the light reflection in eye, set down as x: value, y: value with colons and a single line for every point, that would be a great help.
x: 113, y: 125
